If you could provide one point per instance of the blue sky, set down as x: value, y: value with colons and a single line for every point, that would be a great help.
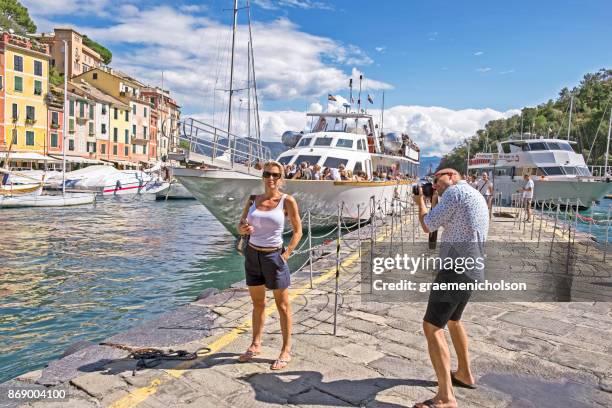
x: 470, y: 60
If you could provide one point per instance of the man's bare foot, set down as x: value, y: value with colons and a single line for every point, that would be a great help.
x: 437, y: 402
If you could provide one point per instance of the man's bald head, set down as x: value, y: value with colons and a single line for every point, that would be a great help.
x: 446, y: 178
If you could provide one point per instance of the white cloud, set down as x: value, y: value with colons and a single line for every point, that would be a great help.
x: 436, y: 130
x: 478, y: 53
x: 193, y: 52
x: 485, y: 69
x: 510, y: 71
x: 302, y: 4
x: 46, y: 8
x: 381, y: 49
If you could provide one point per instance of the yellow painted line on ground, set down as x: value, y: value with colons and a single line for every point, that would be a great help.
x: 139, y: 395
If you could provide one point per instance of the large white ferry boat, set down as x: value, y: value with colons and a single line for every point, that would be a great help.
x: 558, y: 172
x: 348, y: 139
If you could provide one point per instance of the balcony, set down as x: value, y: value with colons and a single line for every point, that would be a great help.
x: 139, y: 140
x: 81, y: 120
x: 30, y: 121
x: 54, y: 125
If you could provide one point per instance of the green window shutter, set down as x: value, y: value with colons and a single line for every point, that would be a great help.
x: 127, y: 136
x: 71, y: 108
x: 91, y: 128
x: 71, y: 125
x: 29, y: 138
x: 37, y: 87
x: 53, y: 139
x: 81, y: 109
x: 92, y: 108
x: 18, y: 84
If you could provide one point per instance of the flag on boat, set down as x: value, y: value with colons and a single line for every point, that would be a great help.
x: 370, y: 99
x: 331, y: 97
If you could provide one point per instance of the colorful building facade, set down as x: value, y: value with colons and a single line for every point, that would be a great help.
x: 25, y: 85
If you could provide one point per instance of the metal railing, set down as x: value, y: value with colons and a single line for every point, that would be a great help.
x: 220, y: 147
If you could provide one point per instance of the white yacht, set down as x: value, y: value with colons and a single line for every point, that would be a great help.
x: 558, y: 172
x: 349, y: 139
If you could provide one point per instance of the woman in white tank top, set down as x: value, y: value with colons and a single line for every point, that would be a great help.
x: 263, y: 219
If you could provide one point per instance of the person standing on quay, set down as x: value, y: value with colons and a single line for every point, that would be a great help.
x: 263, y: 219
x: 462, y: 213
x: 528, y: 195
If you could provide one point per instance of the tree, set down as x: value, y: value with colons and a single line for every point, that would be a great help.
x: 14, y: 15
x: 104, y: 52
x: 592, y: 104
x: 55, y: 77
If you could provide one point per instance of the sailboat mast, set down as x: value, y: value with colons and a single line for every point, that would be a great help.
x: 382, y: 114
x: 252, y: 68
x: 231, y: 84
x: 249, y: 90
x: 608, y: 145
x: 569, y: 125
x: 65, y: 117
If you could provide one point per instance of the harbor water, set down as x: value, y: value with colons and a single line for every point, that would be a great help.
x: 84, y: 273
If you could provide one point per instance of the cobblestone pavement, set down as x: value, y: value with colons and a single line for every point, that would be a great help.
x: 524, y: 354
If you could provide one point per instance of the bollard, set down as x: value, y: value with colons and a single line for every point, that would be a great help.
x: 607, y: 233
x: 310, y: 247
x: 554, y: 228
x: 337, y: 270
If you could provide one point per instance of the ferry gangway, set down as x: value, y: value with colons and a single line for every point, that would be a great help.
x: 212, y: 146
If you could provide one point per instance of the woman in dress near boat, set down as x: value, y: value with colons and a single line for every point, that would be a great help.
x: 263, y: 219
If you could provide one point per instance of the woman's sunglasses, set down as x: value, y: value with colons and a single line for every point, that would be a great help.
x: 275, y: 176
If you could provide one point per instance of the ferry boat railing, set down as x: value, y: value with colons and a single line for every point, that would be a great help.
x: 599, y: 172
x: 220, y: 147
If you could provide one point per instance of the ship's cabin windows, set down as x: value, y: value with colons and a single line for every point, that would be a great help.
x: 536, y: 146
x: 323, y: 141
x: 570, y: 170
x: 553, y: 146
x: 583, y: 171
x: 334, y: 162
x: 285, y: 160
x: 361, y: 144
x: 311, y: 160
x: 305, y: 141
x: 566, y: 146
x: 552, y: 171
x: 347, y: 143
x: 358, y: 167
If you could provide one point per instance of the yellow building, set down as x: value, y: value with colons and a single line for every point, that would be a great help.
x: 123, y: 88
x: 25, y: 82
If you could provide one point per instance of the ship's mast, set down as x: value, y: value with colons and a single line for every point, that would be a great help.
x: 608, y: 145
x: 569, y: 125
x: 231, y: 83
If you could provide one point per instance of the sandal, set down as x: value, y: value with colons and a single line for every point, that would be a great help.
x: 248, y: 356
x: 429, y: 403
x: 279, y: 364
x: 458, y: 383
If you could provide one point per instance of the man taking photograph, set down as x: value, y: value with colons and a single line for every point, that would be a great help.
x: 463, y: 215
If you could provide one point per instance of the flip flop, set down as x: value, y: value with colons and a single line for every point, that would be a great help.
x: 460, y: 383
x: 279, y: 364
x: 429, y: 403
x: 248, y: 356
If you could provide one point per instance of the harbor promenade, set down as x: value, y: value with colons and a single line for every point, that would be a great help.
x: 525, y: 354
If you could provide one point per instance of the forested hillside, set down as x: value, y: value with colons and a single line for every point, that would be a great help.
x: 589, y: 126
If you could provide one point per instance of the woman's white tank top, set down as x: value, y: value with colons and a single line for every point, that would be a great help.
x: 268, y: 226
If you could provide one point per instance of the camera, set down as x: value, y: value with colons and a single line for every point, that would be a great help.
x: 427, y: 188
